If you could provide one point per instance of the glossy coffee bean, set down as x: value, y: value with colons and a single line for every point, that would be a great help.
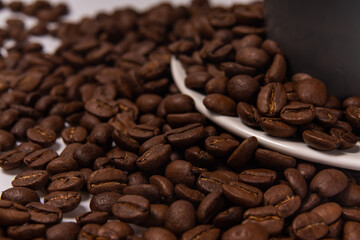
x: 156, y: 233
x: 33, y: 179
x: 329, y: 182
x: 180, y: 217
x: 20, y: 195
x: 45, y: 214
x: 309, y: 226
x: 66, y: 230
x: 11, y: 159
x: 271, y: 99
x: 66, y: 181
x: 228, y: 218
x: 220, y: 104
x: 103, y: 201
x: 12, y: 213
x: 201, y: 232
x: 245, y: 231
x: 40, y: 158
x: 65, y: 200
x: 209, y: 207
x: 106, y: 180
x: 242, y: 194
x: 30, y: 231
x: 42, y: 136
x: 131, y: 208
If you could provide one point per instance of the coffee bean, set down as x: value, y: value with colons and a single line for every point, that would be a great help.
x: 329, y: 182
x: 12, y: 213
x: 20, y: 195
x: 266, y: 217
x: 154, y: 158
x: 123, y: 140
x: 242, y: 88
x: 21, y: 126
x: 148, y: 191
x: 201, y: 232
x: 275, y: 127
x: 45, y: 214
x: 86, y: 154
x: 104, y: 201
x: 11, y: 159
x: 312, y: 90
x: 307, y: 170
x: 277, y: 70
x: 185, y: 193
x: 274, y: 160
x: 243, y: 153
x: 347, y: 139
x: 271, y: 99
x: 66, y: 230
x: 185, y: 136
x: 248, y: 114
x: 296, y: 181
x: 212, y: 181
x: 351, y: 230
x: 40, y: 158
x: 115, y: 229
x: 242, y: 194
x: 66, y: 181
x: 138, y: 178
x: 329, y: 212
x: 156, y: 233
x: 102, y: 135
x: 309, y: 226
x: 350, y: 196
x: 260, y: 178
x: 65, y: 200
x: 42, y: 136
x: 309, y: 202
x: 121, y: 159
x: 179, y: 103
x: 34, y: 179
x: 180, y: 217
x: 62, y: 164
x: 30, y: 231
x: 220, y: 104
x: 209, y: 207
x: 7, y: 140
x: 253, y: 57
x: 74, y: 134
x: 246, y: 231
x: 297, y: 113
x: 228, y: 218
x: 221, y: 145
x: 156, y: 217
x: 166, y: 188
x: 177, y: 120
x: 92, y: 217
x: 89, y: 231
x: 105, y: 180
x: 131, y: 208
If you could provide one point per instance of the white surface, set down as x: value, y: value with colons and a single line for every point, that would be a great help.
x: 79, y: 9
x: 349, y: 159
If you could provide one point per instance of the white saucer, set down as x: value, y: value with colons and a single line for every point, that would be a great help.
x: 349, y: 159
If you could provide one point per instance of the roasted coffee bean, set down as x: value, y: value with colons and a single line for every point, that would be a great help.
x: 228, y: 218
x: 159, y: 139
x: 100, y: 108
x: 242, y: 88
x: 296, y: 181
x: 179, y: 103
x: 271, y: 99
x: 309, y: 226
x: 351, y: 230
x: 347, y: 139
x: 62, y: 164
x: 350, y: 196
x: 131, y: 208
x: 182, y: 119
x: 246, y: 231
x: 115, y: 230
x: 243, y: 153
x: 20, y: 195
x: 309, y: 202
x: 156, y: 233
x: 8, y: 118
x: 166, y: 188
x: 121, y: 159
x: 186, y: 136
x: 41, y: 213
x: 329, y: 212
x: 102, y: 135
x: 30, y: 231
x: 201, y: 232
x: 351, y: 214
x: 103, y: 201
x: 180, y: 171
x: 312, y: 90
x: 266, y: 217
x: 123, y: 140
x: 297, y: 113
x: 148, y: 103
x: 28, y: 147
x: 253, y: 57
x: 326, y: 116
x: 276, y: 127
x: 137, y: 178
x: 148, y: 191
x: 274, y: 160
x: 259, y: 177
x: 208, y: 182
x: 42, y: 136
x: 199, y: 157
x: 271, y: 47
x: 33, y: 179
x: 281, y: 196
x: 220, y: 104
x: 209, y: 207
x: 307, y: 170
x: 248, y: 114
x: 156, y: 217
x: 65, y: 230
x: 7, y: 140
x: 86, y: 154
x: 221, y: 145
x: 65, y: 200
x: 11, y: 159
x: 329, y: 182
x: 66, y: 181
x: 74, y: 134
x: 143, y: 132
x: 12, y: 213
x: 185, y: 193
x: 154, y: 158
x: 277, y: 70
x: 53, y: 122
x: 21, y: 126
x: 180, y: 217
x: 92, y: 217
x: 89, y: 231
x: 40, y: 158
x: 106, y: 180
x: 242, y: 194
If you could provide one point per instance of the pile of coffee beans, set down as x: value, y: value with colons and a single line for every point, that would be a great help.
x: 228, y: 58
x: 141, y: 149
